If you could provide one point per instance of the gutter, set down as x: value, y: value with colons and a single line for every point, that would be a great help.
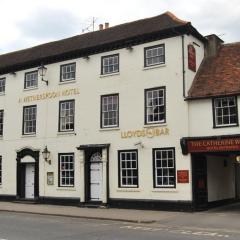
x: 183, y: 67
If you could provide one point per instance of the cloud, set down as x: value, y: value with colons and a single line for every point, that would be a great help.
x: 47, y: 23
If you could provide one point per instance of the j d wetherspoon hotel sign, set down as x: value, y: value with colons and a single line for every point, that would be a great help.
x: 49, y: 95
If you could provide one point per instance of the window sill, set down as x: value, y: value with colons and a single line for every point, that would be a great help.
x: 128, y: 189
x: 2, y: 93
x: 109, y: 74
x: 151, y: 125
x: 1, y: 138
x: 109, y: 129
x: 225, y: 126
x: 168, y: 190
x: 154, y: 66
x: 66, y: 133
x: 66, y: 188
x: 67, y: 81
x: 30, y: 89
x: 29, y: 135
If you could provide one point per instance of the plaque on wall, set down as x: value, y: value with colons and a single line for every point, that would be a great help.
x: 183, y: 176
x: 50, y: 178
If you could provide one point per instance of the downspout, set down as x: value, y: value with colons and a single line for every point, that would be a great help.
x: 183, y: 67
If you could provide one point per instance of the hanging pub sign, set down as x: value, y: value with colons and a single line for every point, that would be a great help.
x: 191, y: 58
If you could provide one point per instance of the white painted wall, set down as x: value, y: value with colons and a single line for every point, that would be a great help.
x: 221, y: 179
x: 130, y: 83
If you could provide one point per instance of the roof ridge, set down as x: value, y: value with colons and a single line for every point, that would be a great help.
x: 232, y: 43
x: 174, y: 17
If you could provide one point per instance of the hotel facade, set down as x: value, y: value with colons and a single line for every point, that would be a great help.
x: 116, y: 117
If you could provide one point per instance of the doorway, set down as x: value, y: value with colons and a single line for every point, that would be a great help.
x: 27, y: 174
x: 93, y: 175
x: 199, y: 181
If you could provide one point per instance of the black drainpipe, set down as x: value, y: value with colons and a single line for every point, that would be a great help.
x: 183, y: 66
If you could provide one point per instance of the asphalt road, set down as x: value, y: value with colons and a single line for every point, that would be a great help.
x: 18, y: 226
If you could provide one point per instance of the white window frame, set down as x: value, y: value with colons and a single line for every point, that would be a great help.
x: 110, y: 64
x: 31, y: 80
x: 110, y: 110
x: 66, y: 116
x: 162, y: 167
x: 29, y: 119
x: 224, y: 107
x: 2, y: 85
x: 1, y: 122
x: 154, y: 55
x: 65, y: 169
x: 127, y: 166
x: 68, y: 72
x: 155, y: 99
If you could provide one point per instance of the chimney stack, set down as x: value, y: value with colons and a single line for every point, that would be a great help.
x: 106, y: 25
x: 213, y: 44
x: 100, y: 26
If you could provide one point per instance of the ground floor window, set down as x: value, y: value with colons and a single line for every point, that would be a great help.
x: 66, y: 169
x: 128, y: 168
x: 164, y: 167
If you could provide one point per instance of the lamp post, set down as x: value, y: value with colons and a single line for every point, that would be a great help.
x: 46, y: 154
x: 42, y: 72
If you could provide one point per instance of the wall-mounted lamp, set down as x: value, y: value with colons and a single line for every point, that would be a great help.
x: 129, y: 48
x: 46, y: 155
x: 42, y: 72
x: 139, y: 144
x: 238, y: 159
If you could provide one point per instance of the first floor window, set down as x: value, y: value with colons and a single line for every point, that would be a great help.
x: 0, y: 170
x: 66, y: 116
x: 1, y: 122
x: 225, y: 111
x: 164, y: 167
x: 68, y: 72
x: 66, y: 170
x: 109, y: 114
x: 154, y: 55
x: 128, y: 168
x: 110, y: 64
x: 2, y: 85
x: 31, y: 80
x: 155, y: 105
x: 29, y: 119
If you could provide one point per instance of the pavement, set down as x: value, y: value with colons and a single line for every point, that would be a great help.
x: 224, y: 216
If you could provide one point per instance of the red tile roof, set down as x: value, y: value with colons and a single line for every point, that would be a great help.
x: 219, y: 75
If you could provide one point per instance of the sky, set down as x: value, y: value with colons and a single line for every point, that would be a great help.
x: 26, y: 23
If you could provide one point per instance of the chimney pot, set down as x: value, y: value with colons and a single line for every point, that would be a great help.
x: 100, y: 26
x: 106, y: 25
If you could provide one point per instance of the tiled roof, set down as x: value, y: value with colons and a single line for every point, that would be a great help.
x: 164, y: 25
x: 219, y: 75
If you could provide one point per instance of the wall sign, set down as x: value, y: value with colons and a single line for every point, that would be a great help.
x: 183, y: 176
x: 149, y: 132
x: 214, y: 145
x: 191, y: 58
x: 50, y: 178
x: 49, y: 95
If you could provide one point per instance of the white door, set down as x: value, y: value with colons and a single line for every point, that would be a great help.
x: 96, y: 177
x: 29, y: 181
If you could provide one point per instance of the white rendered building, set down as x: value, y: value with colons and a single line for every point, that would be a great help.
x: 98, y: 118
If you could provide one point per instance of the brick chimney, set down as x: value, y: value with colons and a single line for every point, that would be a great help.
x: 106, y: 25
x: 100, y: 26
x: 214, y: 42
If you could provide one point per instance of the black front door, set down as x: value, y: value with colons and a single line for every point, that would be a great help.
x: 199, y: 176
